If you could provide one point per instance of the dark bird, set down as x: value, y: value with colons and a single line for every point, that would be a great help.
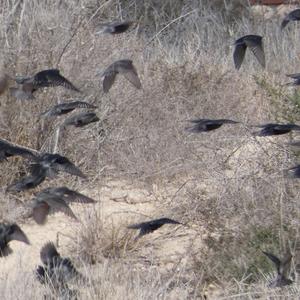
x: 64, y: 108
x: 28, y: 182
x: 115, y: 27
x: 296, y: 78
x: 282, y: 267
x: 8, y: 233
x: 254, y: 43
x: 56, y: 271
x: 276, y: 129
x: 81, y: 119
x: 53, y: 163
x: 293, y: 172
x: 46, y: 201
x: 46, y: 78
x: 150, y: 226
x: 124, y: 67
x: 201, y: 125
x: 7, y: 150
x: 292, y: 16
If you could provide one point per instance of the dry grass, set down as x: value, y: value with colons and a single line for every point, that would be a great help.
x: 226, y: 183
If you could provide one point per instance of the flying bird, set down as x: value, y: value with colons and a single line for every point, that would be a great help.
x: 66, y: 107
x: 80, y: 120
x: 115, y: 27
x: 254, y: 43
x: 46, y: 78
x: 282, y: 267
x: 201, y: 125
x: 8, y: 233
x: 276, y: 129
x: 56, y: 271
x: 124, y: 67
x: 150, y: 226
x: 7, y: 150
x: 292, y: 16
x: 53, y: 163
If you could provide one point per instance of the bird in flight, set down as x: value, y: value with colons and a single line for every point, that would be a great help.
x: 46, y: 78
x: 292, y: 16
x: 150, y: 226
x: 115, y: 27
x: 282, y: 267
x: 201, y: 125
x: 8, y: 233
x: 276, y: 129
x: 254, y: 43
x: 80, y: 120
x: 124, y: 67
x: 66, y: 107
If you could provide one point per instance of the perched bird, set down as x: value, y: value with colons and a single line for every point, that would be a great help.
x: 201, y: 125
x: 292, y: 16
x: 8, y: 233
x: 254, y: 43
x: 67, y: 194
x: 282, y: 267
x: 81, y: 119
x: 28, y: 182
x: 293, y: 172
x: 124, y: 67
x: 66, y: 107
x: 44, y: 201
x: 115, y: 27
x: 296, y: 78
x: 56, y: 271
x: 53, y: 163
x: 150, y: 226
x: 46, y: 78
x: 276, y: 129
x: 7, y: 150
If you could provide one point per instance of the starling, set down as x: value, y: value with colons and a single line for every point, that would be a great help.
x: 8, y: 233
x: 115, y: 27
x: 282, y: 267
x: 276, y: 129
x: 201, y: 125
x: 64, y: 108
x: 255, y: 44
x: 124, y: 67
x: 150, y: 226
x: 292, y: 16
x: 80, y: 120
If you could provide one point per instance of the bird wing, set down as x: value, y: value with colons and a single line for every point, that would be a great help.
x: 40, y: 212
x: 59, y: 204
x: 274, y: 259
x: 109, y: 78
x: 258, y: 51
x: 74, y: 196
x: 132, y: 76
x: 68, y: 167
x: 239, y: 54
x: 18, y: 235
x: 48, y: 253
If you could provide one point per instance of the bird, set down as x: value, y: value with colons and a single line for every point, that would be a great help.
x: 45, y: 78
x: 52, y: 163
x: 254, y: 43
x: 66, y: 107
x: 276, y: 129
x: 201, y: 125
x: 80, y: 120
x: 282, y: 267
x: 28, y: 182
x: 7, y: 150
x: 150, y: 226
x: 124, y: 67
x: 293, y: 172
x: 8, y: 233
x: 56, y: 271
x: 44, y: 201
x: 115, y: 27
x: 296, y: 77
x: 292, y: 16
